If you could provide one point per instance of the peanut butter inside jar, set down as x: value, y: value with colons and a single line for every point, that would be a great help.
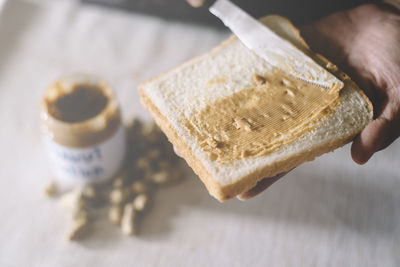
x: 79, y: 111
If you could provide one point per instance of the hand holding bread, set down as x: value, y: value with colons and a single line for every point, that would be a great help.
x: 373, y: 60
x: 365, y: 42
x: 236, y: 119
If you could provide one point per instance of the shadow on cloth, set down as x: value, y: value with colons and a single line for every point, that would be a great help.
x: 308, y: 197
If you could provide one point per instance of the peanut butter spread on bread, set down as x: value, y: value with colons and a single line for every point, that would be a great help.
x: 275, y: 110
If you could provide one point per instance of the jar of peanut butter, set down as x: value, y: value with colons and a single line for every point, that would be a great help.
x: 82, y: 130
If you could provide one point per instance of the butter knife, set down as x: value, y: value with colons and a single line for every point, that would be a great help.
x: 275, y: 50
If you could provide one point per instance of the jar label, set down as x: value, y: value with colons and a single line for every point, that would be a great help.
x: 90, y: 164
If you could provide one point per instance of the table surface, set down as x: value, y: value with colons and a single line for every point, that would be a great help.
x: 329, y: 212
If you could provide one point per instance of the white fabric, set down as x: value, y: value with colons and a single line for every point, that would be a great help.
x: 330, y: 212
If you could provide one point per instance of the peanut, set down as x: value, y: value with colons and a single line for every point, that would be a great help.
x: 128, y: 220
x: 140, y: 202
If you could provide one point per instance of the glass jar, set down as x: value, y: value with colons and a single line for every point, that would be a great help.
x: 82, y: 130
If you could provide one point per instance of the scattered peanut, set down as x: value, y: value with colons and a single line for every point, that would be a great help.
x: 128, y: 220
x: 81, y: 214
x: 72, y: 201
x: 119, y: 195
x: 78, y: 229
x: 88, y: 192
x: 51, y: 189
x: 115, y: 214
x: 140, y: 202
x: 150, y: 156
x: 159, y: 177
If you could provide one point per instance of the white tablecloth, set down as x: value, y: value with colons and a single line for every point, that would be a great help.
x: 330, y: 212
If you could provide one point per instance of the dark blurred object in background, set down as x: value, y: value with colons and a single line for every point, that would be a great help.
x: 299, y: 11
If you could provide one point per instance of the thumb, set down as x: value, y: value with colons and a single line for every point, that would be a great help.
x: 376, y: 136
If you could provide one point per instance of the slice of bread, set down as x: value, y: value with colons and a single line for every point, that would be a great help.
x: 181, y: 92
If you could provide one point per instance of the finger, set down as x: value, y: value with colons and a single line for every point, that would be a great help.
x: 261, y: 186
x: 376, y: 136
x: 177, y: 152
x: 322, y: 36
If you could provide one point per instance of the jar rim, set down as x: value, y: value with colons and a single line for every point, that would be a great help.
x: 95, y: 124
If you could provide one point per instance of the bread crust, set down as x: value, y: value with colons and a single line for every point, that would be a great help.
x: 185, y: 151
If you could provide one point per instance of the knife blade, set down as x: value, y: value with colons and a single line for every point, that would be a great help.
x: 275, y: 50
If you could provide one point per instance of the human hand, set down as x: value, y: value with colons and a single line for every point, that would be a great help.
x: 365, y: 43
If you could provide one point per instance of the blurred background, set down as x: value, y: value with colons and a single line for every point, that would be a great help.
x: 329, y: 212
x: 299, y: 12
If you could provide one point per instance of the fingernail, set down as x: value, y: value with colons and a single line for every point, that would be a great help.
x: 177, y: 152
x: 362, y: 159
x: 241, y: 198
x: 360, y: 162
